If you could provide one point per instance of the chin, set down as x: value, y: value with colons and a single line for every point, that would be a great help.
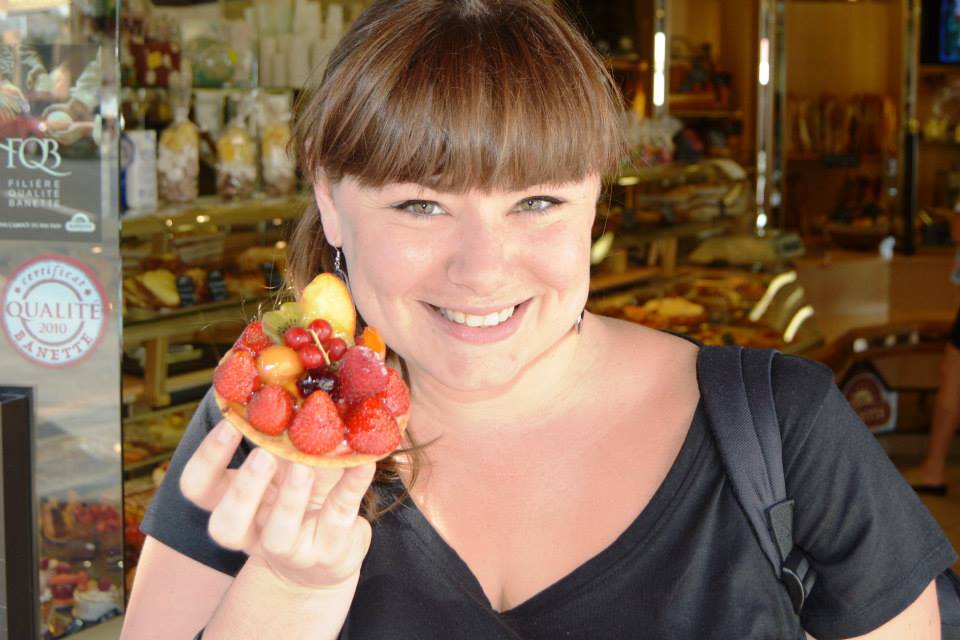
x: 474, y: 375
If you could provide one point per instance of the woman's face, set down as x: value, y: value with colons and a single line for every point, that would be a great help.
x: 471, y: 288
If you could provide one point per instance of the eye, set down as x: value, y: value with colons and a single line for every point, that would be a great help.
x: 420, y: 208
x: 538, y: 204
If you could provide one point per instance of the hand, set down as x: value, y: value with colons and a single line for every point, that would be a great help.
x: 303, y: 522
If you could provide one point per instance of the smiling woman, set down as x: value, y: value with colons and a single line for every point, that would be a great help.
x: 571, y: 485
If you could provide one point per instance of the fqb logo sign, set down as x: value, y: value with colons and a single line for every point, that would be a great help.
x: 54, y: 311
x: 39, y: 154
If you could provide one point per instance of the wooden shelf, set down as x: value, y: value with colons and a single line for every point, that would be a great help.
x: 939, y: 69
x: 707, y: 114
x: 604, y: 281
x: 212, y: 210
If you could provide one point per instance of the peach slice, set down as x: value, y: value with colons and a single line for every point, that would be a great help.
x: 327, y: 297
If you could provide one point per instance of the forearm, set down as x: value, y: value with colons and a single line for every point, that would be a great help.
x: 261, y: 605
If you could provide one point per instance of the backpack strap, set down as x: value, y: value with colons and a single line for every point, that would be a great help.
x: 737, y: 394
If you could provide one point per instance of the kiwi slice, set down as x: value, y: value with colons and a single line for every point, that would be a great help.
x: 276, y: 323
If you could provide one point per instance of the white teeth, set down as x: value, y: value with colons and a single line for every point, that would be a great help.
x: 489, y: 320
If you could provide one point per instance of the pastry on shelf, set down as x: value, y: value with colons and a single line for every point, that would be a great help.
x: 661, y: 313
x: 162, y: 285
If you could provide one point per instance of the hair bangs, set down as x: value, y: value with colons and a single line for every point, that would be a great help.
x: 495, y: 100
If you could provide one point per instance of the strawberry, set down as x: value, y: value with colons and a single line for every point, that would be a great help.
x: 343, y: 408
x: 371, y: 429
x: 317, y: 428
x: 254, y: 339
x: 270, y: 410
x: 396, y: 397
x: 362, y: 375
x: 236, y: 377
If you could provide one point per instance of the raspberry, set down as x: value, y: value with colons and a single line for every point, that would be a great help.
x: 362, y: 375
x: 270, y: 410
x: 254, y: 339
x: 236, y: 377
x: 371, y: 429
x: 317, y: 428
x: 297, y: 338
x: 396, y: 397
x: 344, y: 408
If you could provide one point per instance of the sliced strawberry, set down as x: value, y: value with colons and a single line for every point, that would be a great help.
x: 317, y: 427
x: 270, y: 410
x: 254, y: 339
x: 362, y: 375
x: 371, y: 429
x: 236, y: 377
x: 396, y: 397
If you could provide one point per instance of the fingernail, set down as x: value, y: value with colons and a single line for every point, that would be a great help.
x: 260, y: 462
x: 225, y: 432
x: 299, y: 475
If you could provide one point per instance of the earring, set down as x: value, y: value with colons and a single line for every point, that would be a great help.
x: 338, y: 265
x: 580, y: 321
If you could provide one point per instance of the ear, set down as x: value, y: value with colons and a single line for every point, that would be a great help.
x: 329, y: 215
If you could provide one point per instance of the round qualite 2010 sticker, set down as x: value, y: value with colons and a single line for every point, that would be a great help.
x: 54, y: 311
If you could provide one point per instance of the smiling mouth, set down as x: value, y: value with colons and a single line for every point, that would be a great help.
x: 492, y: 319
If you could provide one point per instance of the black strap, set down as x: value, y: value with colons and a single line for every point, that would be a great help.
x: 738, y: 396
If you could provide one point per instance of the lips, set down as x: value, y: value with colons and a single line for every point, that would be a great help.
x: 483, y: 326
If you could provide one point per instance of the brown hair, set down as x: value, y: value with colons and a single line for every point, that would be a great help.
x: 453, y: 95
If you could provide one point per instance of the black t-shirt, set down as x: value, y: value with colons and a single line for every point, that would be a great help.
x: 689, y: 566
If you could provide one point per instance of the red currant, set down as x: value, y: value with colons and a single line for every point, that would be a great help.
x: 336, y: 347
x: 312, y: 357
x: 322, y: 328
x: 297, y: 338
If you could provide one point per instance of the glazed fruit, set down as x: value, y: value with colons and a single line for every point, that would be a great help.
x: 295, y: 395
x: 371, y: 339
x: 254, y: 339
x: 321, y: 329
x: 317, y: 428
x: 311, y: 356
x: 270, y: 410
x: 327, y: 297
x: 362, y: 375
x: 277, y: 323
x: 279, y: 364
x: 372, y: 429
x: 297, y: 338
x: 336, y: 348
x: 236, y: 378
x: 395, y: 397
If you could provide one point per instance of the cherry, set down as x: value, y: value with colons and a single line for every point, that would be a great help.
x: 297, y: 337
x: 322, y: 328
x: 336, y: 348
x: 312, y: 357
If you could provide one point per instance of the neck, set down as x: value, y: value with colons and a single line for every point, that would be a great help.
x: 544, y: 391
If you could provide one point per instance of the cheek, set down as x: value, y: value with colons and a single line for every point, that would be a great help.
x: 562, y: 255
x: 386, y: 265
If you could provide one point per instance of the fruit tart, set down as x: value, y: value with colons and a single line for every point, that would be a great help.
x: 299, y: 384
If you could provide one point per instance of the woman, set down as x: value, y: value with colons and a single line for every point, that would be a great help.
x: 931, y: 476
x: 569, y: 487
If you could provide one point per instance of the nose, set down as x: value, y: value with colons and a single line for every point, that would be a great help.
x: 479, y: 260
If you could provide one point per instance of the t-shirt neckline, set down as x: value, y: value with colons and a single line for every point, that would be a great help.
x: 630, y: 540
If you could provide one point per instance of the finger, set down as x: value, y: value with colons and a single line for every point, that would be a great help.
x: 204, y: 479
x: 326, y: 479
x: 284, y: 524
x: 232, y: 520
x: 342, y: 506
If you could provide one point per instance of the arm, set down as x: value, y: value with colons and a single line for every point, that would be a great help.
x: 921, y: 620
x: 160, y: 605
x: 302, y: 534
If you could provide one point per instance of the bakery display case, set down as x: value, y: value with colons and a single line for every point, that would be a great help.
x: 60, y: 280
